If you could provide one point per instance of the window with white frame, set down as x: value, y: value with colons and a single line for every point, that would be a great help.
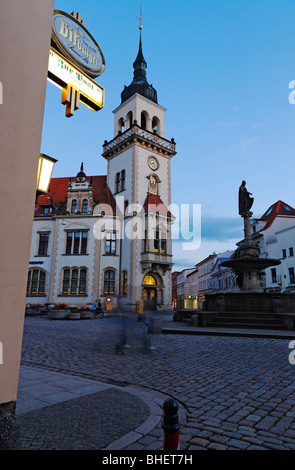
x: 36, y: 282
x: 76, y: 242
x: 110, y: 243
x: 74, y: 281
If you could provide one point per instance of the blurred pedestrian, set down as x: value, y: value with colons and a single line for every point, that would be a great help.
x: 143, y: 323
x: 121, y: 341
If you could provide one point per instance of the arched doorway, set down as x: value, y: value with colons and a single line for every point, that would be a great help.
x: 149, y: 293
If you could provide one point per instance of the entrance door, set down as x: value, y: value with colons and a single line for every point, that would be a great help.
x: 149, y: 295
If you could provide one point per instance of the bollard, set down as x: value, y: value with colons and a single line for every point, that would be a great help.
x: 170, y: 424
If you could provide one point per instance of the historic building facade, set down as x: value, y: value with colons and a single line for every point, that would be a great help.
x: 109, y: 237
x: 274, y: 232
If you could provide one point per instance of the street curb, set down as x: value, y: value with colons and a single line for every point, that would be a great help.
x: 155, y: 404
x: 233, y: 333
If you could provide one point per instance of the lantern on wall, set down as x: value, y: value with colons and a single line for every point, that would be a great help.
x: 45, y: 170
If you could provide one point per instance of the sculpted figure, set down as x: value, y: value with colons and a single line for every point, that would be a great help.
x: 245, y: 201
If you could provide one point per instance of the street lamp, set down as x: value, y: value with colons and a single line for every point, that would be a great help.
x: 45, y: 170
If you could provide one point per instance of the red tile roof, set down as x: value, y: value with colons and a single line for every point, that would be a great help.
x: 279, y: 208
x: 155, y: 204
x: 57, y: 193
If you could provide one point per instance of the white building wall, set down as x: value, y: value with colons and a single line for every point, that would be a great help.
x: 44, y: 262
x: 275, y: 244
x: 63, y: 260
x: 137, y: 104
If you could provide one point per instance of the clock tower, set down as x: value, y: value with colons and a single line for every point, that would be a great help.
x: 138, y: 174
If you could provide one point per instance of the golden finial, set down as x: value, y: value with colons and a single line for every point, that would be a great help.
x: 139, y: 19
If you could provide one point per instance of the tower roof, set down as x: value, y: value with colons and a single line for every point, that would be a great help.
x: 139, y: 83
x: 81, y: 173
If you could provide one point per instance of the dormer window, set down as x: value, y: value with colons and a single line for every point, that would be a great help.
x: 85, y: 206
x: 74, y: 206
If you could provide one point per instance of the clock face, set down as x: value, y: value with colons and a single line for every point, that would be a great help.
x: 153, y: 163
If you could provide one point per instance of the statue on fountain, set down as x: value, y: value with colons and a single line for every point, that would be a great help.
x: 245, y: 201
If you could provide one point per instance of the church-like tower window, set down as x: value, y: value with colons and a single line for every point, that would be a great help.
x: 85, y: 206
x: 123, y: 175
x: 121, y: 126
x: 156, y: 125
x: 74, y: 206
x: 143, y: 120
x: 129, y: 119
x: 117, y: 185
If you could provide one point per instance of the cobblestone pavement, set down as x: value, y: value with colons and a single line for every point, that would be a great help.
x: 237, y: 393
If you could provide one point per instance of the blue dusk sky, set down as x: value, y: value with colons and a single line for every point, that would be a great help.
x: 222, y: 70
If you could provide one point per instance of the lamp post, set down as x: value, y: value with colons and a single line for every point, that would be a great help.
x: 45, y: 170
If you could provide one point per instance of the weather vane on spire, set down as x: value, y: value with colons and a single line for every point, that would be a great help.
x: 139, y: 19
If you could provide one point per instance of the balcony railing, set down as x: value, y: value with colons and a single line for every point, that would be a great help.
x: 149, y: 137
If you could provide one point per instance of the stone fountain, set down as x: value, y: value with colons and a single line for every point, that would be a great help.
x: 251, y: 300
x: 247, y: 265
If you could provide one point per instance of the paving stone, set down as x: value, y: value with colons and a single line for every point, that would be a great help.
x: 239, y: 444
x: 184, y: 367
x: 199, y: 441
x: 216, y: 446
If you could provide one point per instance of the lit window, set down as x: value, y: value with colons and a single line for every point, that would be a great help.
x: 160, y: 243
x: 36, y: 282
x: 74, y: 281
x: 109, y: 282
x: 124, y: 283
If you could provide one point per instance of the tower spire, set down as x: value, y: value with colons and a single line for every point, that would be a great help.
x: 139, y: 18
x: 139, y: 83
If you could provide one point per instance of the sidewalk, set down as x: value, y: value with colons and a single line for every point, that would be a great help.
x: 61, y: 411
